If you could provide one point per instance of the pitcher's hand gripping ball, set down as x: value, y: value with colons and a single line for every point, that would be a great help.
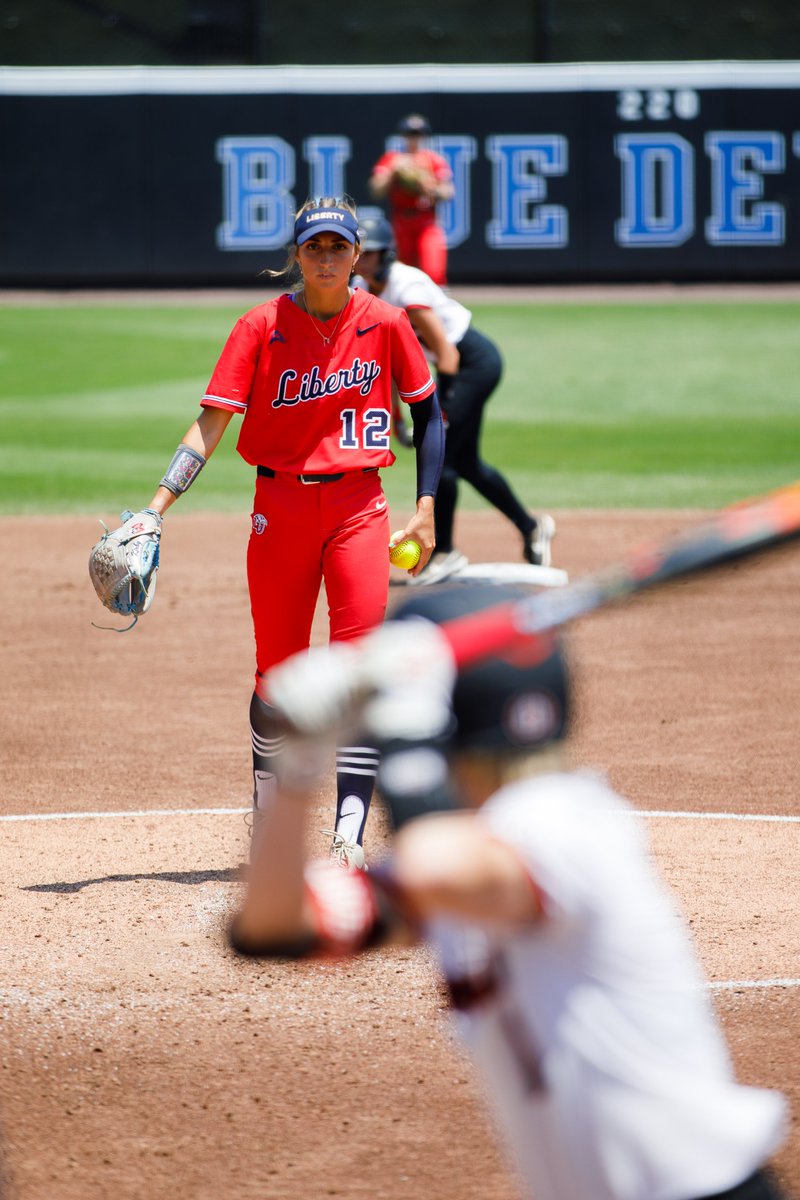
x: 123, y: 564
x: 403, y: 552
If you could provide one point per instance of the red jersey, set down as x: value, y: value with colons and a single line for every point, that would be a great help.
x: 405, y: 201
x: 312, y: 407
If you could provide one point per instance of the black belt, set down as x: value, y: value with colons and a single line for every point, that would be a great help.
x: 268, y: 473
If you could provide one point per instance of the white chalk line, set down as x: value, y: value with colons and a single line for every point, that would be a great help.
x: 728, y: 985
x: 114, y: 816
x: 735, y: 985
x: 223, y: 812
x: 699, y: 816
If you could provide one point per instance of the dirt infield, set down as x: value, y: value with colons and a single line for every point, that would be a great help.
x: 141, y: 1059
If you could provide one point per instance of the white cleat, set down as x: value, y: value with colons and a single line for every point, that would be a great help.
x: 346, y: 854
x: 537, y: 547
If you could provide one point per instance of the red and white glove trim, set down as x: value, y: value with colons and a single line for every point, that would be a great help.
x: 344, y: 906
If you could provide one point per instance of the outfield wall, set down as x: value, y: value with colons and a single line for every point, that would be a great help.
x: 576, y: 173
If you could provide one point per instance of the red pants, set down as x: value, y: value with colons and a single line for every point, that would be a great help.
x: 307, y: 534
x: 422, y: 244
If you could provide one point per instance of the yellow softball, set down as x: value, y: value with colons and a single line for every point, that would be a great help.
x: 403, y: 552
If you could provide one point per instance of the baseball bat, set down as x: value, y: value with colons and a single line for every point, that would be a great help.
x: 746, y: 528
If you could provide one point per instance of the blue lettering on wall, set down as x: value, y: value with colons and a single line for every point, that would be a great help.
x: 738, y: 163
x: 326, y: 157
x: 258, y: 174
x: 521, y: 165
x: 657, y: 200
x: 657, y: 189
x: 454, y: 215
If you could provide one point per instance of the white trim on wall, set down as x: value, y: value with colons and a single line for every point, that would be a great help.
x: 431, y: 77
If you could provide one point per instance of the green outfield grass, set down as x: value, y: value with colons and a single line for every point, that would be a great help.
x: 617, y: 405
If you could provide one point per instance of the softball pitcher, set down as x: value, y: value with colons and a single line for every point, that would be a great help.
x: 311, y: 373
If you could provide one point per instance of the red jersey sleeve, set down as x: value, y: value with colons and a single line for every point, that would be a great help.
x: 232, y: 381
x: 440, y: 168
x: 385, y: 164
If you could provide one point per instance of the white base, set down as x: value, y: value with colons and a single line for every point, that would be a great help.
x: 506, y: 572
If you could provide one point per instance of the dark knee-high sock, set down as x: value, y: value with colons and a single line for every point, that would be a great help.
x: 267, y: 741
x: 356, y: 768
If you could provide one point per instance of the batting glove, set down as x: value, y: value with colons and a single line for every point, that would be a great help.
x: 410, y: 671
x: 394, y: 684
x: 318, y: 690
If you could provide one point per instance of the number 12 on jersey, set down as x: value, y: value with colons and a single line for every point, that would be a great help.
x: 374, y: 433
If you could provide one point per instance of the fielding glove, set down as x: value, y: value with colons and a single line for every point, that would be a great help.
x: 123, y: 564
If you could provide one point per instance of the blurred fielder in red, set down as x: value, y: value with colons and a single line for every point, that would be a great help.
x: 414, y: 180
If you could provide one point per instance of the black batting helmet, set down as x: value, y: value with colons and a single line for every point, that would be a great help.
x: 511, y: 702
x: 375, y: 233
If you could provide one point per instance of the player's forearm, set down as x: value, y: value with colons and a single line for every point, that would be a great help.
x: 448, y: 359
x: 276, y: 917
x: 196, y: 447
x: 162, y: 500
x: 446, y: 355
x: 379, y: 185
x: 205, y: 434
x: 448, y: 864
x: 274, y: 910
x: 429, y: 441
x: 431, y: 331
x: 422, y: 529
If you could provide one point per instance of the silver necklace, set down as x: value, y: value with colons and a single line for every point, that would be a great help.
x: 327, y: 338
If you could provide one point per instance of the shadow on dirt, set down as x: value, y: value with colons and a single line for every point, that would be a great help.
x: 229, y: 875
